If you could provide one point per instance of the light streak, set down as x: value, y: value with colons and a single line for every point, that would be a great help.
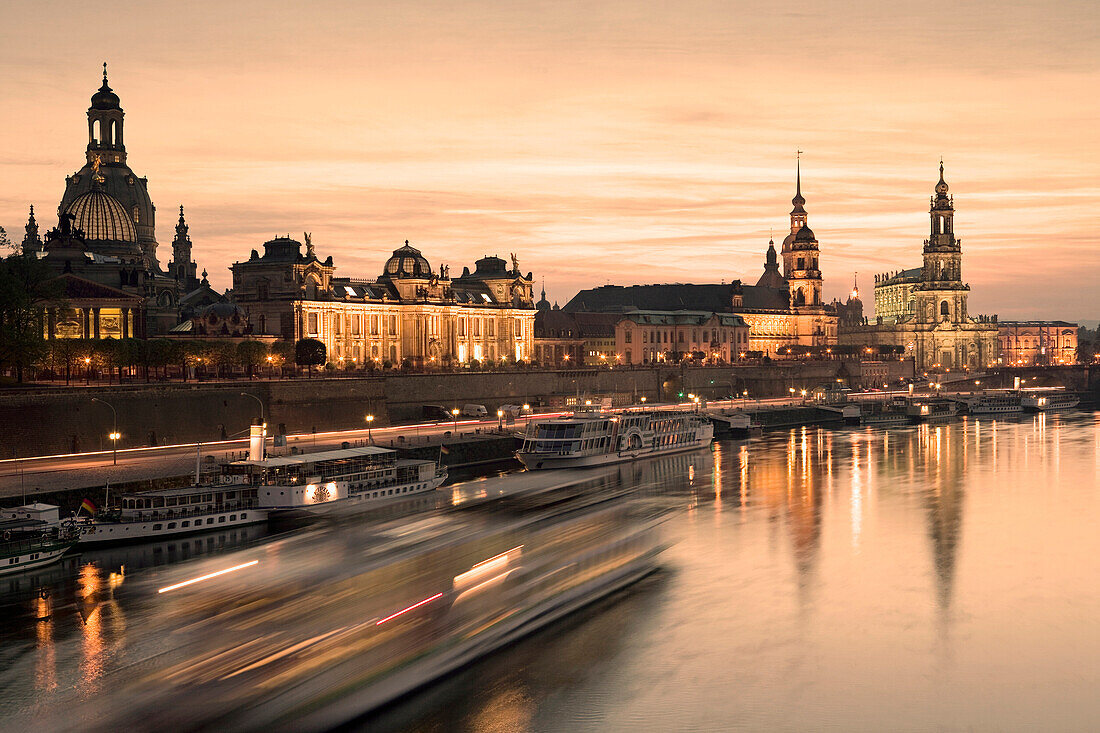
x: 392, y: 616
x: 486, y: 566
x: 208, y: 576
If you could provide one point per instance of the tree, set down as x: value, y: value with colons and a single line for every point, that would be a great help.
x: 309, y: 353
x: 282, y: 352
x: 251, y: 354
x: 27, y: 286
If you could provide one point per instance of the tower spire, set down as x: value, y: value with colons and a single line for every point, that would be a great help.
x: 798, y: 200
x: 31, y: 241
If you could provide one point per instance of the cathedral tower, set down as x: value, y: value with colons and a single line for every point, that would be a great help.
x: 800, y: 255
x: 941, y: 294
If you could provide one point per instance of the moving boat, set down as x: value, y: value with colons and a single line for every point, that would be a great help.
x: 253, y: 490
x: 592, y: 438
x: 1049, y: 400
x: 315, y: 629
x: 33, y: 540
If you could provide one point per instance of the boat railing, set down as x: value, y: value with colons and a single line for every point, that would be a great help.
x: 169, y: 513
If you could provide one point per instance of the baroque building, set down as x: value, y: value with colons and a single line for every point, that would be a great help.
x: 924, y: 310
x: 782, y: 310
x: 1027, y: 343
x: 410, y: 311
x: 107, y: 235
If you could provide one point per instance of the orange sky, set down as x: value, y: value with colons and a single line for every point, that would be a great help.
x: 624, y: 142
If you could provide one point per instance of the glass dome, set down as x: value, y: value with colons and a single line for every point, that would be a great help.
x: 407, y: 262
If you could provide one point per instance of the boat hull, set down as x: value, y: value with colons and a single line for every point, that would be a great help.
x: 111, y: 532
x: 33, y: 558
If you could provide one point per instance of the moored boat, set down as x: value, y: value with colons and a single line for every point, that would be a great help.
x: 253, y: 490
x: 994, y: 402
x: 27, y: 542
x: 1049, y: 400
x: 594, y: 438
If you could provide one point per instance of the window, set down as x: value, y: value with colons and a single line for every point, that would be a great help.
x: 355, y: 325
x: 221, y: 519
x: 232, y: 517
x: 491, y: 327
x: 393, y: 325
x: 311, y: 324
x: 682, y: 336
x: 185, y: 523
x: 171, y: 525
x: 157, y: 527
x: 628, y: 336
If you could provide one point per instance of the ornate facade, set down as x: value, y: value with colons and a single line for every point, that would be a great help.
x: 106, y: 233
x: 924, y: 310
x: 409, y: 312
x: 643, y: 337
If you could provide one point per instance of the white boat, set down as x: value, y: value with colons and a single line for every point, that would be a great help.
x: 154, y: 515
x: 596, y: 439
x: 993, y: 403
x: 334, y: 480
x: 252, y: 491
x: 1053, y: 400
x: 28, y: 542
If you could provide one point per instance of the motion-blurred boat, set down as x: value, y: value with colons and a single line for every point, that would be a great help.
x: 32, y: 536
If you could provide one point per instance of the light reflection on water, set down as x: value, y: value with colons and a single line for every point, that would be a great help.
x: 912, y: 578
x: 930, y: 577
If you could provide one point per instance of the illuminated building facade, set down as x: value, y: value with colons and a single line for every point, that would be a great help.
x: 924, y: 310
x: 1038, y: 342
x: 408, y: 312
x: 648, y: 337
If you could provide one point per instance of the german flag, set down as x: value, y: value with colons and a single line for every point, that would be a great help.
x: 444, y: 450
x: 89, y: 506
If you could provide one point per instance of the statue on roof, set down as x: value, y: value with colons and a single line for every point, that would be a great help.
x: 515, y: 263
x: 308, y: 236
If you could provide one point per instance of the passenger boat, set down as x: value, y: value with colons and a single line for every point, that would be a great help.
x: 590, y: 438
x: 934, y: 409
x: 1052, y: 400
x: 994, y: 403
x: 253, y: 490
x: 33, y: 541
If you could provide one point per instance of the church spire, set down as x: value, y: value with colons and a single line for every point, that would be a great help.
x: 798, y: 201
x: 31, y: 241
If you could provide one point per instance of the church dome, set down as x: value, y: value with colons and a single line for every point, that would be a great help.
x: 101, y: 217
x: 805, y: 234
x: 105, y: 98
x: 407, y: 262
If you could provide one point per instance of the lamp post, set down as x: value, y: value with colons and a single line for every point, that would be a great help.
x: 500, y: 420
x: 370, y: 419
x: 87, y: 370
x: 114, y: 435
x: 454, y: 414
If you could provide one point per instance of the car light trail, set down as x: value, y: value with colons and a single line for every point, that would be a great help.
x: 208, y: 576
x: 392, y: 616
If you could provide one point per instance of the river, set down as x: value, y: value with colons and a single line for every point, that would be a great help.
x: 934, y: 577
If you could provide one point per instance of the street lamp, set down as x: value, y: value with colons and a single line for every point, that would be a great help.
x: 87, y: 370
x: 454, y: 413
x: 114, y: 435
x: 370, y: 419
x: 500, y: 420
x: 643, y: 399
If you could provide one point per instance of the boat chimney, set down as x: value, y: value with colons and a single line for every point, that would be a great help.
x: 256, y: 442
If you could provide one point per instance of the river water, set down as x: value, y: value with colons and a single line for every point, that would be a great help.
x: 936, y: 577
x: 915, y: 578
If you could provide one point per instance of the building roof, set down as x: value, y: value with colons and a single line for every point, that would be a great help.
x: 905, y: 276
x: 101, y: 217
x: 680, y: 317
x: 764, y: 298
x: 675, y: 296
x: 77, y: 288
x: 1059, y: 324
x: 407, y: 261
x: 328, y: 455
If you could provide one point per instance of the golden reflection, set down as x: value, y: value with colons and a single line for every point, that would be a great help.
x: 716, y: 478
x: 744, y: 476
x: 45, y: 663
x: 507, y: 711
x: 856, y: 497
x: 93, y: 658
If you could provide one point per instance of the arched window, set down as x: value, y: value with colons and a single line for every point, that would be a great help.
x: 113, y: 137
x: 97, y: 131
x: 945, y: 309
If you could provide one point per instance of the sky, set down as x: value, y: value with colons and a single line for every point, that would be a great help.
x: 622, y: 142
